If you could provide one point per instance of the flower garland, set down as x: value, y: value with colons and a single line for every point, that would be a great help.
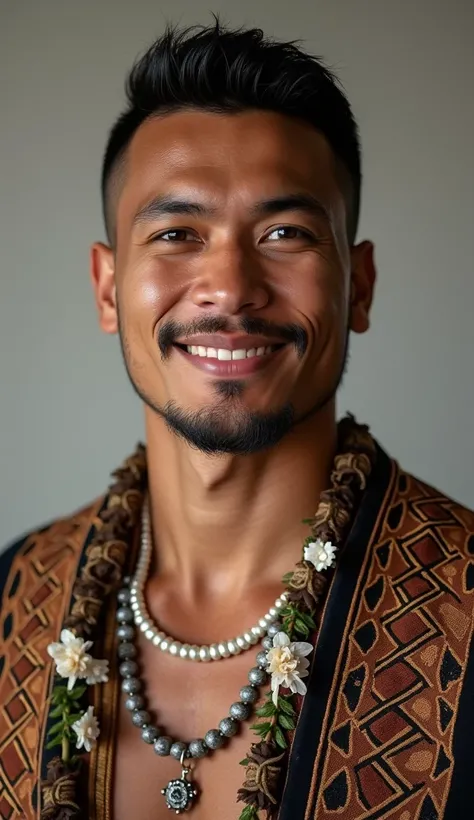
x: 106, y: 564
x: 101, y: 575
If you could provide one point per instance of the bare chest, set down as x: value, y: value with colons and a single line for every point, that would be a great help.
x: 185, y: 700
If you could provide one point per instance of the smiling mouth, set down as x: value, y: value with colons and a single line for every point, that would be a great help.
x: 225, y: 355
x: 222, y: 362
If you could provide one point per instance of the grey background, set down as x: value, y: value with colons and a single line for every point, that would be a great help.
x: 68, y: 415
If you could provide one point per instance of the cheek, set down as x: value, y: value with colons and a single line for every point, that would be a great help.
x: 145, y: 296
x: 148, y: 294
x: 320, y: 298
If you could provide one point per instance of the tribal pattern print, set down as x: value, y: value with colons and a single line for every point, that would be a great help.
x: 36, y: 597
x: 388, y: 751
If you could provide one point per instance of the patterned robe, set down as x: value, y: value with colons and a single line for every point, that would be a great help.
x: 387, y: 726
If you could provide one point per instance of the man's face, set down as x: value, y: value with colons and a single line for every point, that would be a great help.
x: 232, y: 275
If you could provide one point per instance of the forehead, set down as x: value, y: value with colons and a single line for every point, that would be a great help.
x: 228, y: 158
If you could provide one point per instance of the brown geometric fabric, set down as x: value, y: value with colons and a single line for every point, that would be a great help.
x: 36, y: 596
x: 388, y: 750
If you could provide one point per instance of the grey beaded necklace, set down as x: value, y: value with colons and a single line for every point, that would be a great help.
x: 180, y: 793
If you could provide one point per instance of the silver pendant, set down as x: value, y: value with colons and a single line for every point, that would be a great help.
x: 180, y: 793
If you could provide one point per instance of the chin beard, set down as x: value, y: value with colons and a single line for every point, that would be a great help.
x: 229, y: 429
x: 220, y: 429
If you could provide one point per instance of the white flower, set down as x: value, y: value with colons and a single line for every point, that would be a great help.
x: 70, y: 657
x: 321, y: 554
x: 287, y: 664
x: 98, y: 671
x: 87, y: 730
x: 73, y: 661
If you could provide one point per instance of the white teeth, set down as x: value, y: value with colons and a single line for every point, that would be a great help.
x: 225, y: 355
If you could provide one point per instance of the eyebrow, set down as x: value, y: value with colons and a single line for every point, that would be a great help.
x: 292, y: 202
x: 165, y: 205
x: 169, y: 205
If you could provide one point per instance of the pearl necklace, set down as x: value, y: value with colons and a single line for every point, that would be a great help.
x: 204, y: 653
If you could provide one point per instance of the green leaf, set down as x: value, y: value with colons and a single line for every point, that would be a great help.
x: 285, y: 706
x: 263, y: 732
x: 66, y: 732
x: 59, y: 689
x: 244, y: 762
x: 308, y: 619
x: 286, y: 722
x: 300, y: 625
x: 56, y: 712
x: 56, y: 741
x: 267, y: 710
x: 56, y: 728
x: 249, y: 813
x: 59, y: 699
x: 301, y: 628
x: 261, y: 728
x: 287, y: 578
x: 280, y: 738
x: 70, y: 719
x: 78, y: 690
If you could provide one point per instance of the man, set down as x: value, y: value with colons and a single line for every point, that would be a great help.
x: 232, y: 275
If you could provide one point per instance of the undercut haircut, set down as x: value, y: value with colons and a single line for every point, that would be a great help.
x: 226, y: 71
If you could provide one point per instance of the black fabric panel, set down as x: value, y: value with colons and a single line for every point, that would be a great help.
x: 460, y: 802
x: 315, y: 704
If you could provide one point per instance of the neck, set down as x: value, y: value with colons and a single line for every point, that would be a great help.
x: 224, y: 524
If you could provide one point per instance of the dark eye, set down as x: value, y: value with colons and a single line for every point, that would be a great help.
x: 175, y: 235
x: 288, y: 232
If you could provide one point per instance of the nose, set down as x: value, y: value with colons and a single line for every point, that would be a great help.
x: 230, y: 282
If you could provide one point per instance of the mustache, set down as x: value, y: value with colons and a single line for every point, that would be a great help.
x: 172, y: 330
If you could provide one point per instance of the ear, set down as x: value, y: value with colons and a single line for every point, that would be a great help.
x: 102, y: 271
x: 363, y: 276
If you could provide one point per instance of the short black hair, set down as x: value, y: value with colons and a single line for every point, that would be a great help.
x: 229, y: 71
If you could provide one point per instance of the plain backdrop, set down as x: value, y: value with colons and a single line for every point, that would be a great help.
x: 67, y: 413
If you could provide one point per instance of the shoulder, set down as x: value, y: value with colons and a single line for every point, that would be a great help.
x: 48, y: 552
x: 424, y: 541
x: 436, y: 518
x: 37, y: 574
